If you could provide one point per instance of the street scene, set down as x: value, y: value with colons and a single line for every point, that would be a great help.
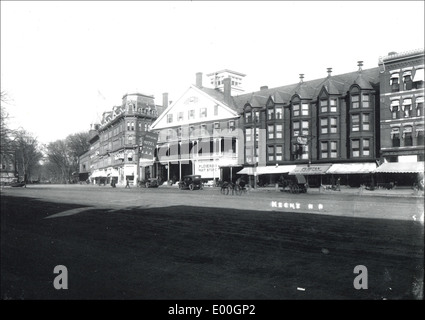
x: 203, y: 150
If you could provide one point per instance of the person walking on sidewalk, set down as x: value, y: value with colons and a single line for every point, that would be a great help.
x: 127, y: 184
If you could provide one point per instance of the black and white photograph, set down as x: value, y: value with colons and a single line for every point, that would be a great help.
x: 211, y: 156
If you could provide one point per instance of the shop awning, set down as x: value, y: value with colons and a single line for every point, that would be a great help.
x: 267, y: 170
x: 98, y: 174
x: 401, y: 167
x: 352, y: 168
x: 310, y: 170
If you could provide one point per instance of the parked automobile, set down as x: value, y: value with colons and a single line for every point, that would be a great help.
x: 191, y: 182
x: 149, y: 183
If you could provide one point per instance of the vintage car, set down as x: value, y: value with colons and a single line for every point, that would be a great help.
x: 149, y: 183
x: 191, y: 182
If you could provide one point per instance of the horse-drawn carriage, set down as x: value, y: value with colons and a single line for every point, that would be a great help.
x: 294, y: 184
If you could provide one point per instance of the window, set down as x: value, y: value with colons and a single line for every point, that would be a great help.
x: 216, y: 110
x: 407, y: 136
x: 333, y: 103
x: 179, y: 132
x: 231, y: 125
x: 248, y: 134
x: 279, y: 113
x: 279, y: 153
x: 305, y: 128
x: 257, y: 116
x: 323, y: 106
x: 217, y: 127
x: 191, y: 131
x: 334, y: 151
x: 355, y: 147
x: 395, y: 137
x: 304, y: 110
x: 296, y: 110
x: 355, y: 122
x: 203, y: 128
x: 365, y: 121
x: 394, y: 82
x: 366, y: 144
x: 128, y: 126
x: 248, y: 117
x: 394, y: 109
x: 419, y: 106
x: 270, y: 153
x: 407, y: 80
x: 334, y: 126
x: 270, y: 114
x: 180, y: 116
x: 279, y: 129
x: 324, y: 149
x: 355, y: 102
x: 296, y: 128
x: 203, y: 112
x: 191, y: 114
x: 407, y: 107
x: 132, y: 126
x: 418, y: 80
x: 248, y: 152
x: 305, y: 152
x: 419, y: 136
x: 169, y: 118
x: 324, y: 125
x: 270, y: 131
x: 365, y: 100
x: 169, y: 134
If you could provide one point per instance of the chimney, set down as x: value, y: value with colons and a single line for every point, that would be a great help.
x: 227, y: 90
x: 165, y: 99
x: 360, y: 65
x: 264, y: 87
x: 199, y: 79
x: 392, y: 53
x: 329, y: 71
x: 301, y: 77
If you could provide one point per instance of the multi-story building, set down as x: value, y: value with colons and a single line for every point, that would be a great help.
x: 115, y: 142
x: 198, y: 132
x: 309, y: 126
x: 402, y: 114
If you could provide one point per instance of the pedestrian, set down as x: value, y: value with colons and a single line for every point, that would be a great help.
x: 128, y: 184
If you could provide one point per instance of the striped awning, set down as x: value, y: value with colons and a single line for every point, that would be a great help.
x: 401, y: 167
x: 352, y: 168
x: 260, y: 170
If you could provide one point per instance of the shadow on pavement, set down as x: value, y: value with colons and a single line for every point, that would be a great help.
x: 185, y: 252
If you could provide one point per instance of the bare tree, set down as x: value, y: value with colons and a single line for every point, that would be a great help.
x: 27, y: 153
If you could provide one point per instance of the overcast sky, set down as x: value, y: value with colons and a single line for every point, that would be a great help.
x: 64, y: 63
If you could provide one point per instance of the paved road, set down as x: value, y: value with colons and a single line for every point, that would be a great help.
x: 401, y: 204
x: 170, y: 244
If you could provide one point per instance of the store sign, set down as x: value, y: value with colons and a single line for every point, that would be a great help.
x: 310, y: 170
x: 207, y: 169
x: 149, y: 142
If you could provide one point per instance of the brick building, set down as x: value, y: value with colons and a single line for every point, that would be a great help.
x: 309, y: 126
x: 115, y: 141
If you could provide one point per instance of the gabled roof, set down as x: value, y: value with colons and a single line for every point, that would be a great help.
x: 336, y: 84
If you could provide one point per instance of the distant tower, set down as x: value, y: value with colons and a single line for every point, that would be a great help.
x: 236, y: 80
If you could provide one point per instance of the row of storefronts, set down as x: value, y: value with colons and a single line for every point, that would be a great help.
x: 340, y: 127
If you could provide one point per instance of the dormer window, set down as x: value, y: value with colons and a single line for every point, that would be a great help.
x: 323, y: 106
x: 296, y: 110
x: 355, y: 104
x: 333, y: 105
